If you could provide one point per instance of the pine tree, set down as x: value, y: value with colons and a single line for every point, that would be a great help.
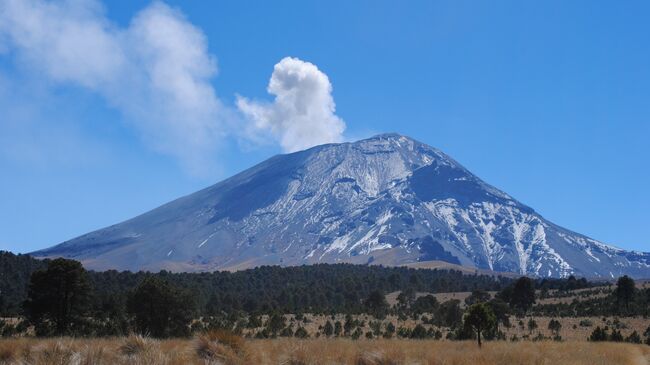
x: 598, y: 334
x: 522, y: 296
x: 58, y: 295
x: 301, y: 333
x: 555, y: 326
x: 624, y: 291
x: 328, y: 329
x: 532, y: 325
x: 160, y: 309
x: 480, y: 318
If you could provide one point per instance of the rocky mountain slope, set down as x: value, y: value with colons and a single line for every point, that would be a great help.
x: 387, y: 199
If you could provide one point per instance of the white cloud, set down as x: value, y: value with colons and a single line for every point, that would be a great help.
x: 156, y: 71
x: 302, y: 114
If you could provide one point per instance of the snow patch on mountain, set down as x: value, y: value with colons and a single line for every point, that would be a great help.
x: 388, y: 199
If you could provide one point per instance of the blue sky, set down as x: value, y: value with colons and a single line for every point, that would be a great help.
x: 548, y: 101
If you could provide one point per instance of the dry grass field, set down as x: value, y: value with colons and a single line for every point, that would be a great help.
x: 573, y: 328
x: 220, y: 349
x: 224, y: 348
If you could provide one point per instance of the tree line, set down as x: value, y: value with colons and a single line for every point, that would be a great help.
x: 59, y: 297
x: 321, y: 288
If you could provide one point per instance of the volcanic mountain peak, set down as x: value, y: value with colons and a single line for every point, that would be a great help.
x: 388, y: 199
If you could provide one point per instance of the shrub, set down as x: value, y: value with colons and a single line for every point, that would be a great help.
x: 404, y: 332
x: 57, y: 353
x: 419, y: 332
x: 276, y: 323
x: 220, y: 346
x: 633, y: 337
x: 254, y: 321
x: 434, y: 333
x: 338, y: 328
x: 8, y: 330
x: 555, y: 326
x: 301, y: 333
x: 539, y: 337
x: 586, y: 323
x: 135, y: 345
x: 618, y: 324
x: 328, y: 330
x: 232, y: 340
x: 375, y: 326
x: 286, y: 332
x: 371, y: 358
x: 390, y: 330
x: 616, y: 336
x: 598, y: 334
x: 262, y: 334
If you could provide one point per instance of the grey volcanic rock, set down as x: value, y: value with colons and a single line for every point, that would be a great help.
x: 388, y: 199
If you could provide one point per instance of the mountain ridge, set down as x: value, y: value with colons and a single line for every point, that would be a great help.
x: 387, y: 198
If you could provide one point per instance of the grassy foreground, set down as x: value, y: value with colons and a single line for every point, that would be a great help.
x: 207, y: 349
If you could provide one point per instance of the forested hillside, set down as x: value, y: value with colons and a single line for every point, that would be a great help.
x: 15, y: 271
x: 59, y: 297
x: 339, y: 288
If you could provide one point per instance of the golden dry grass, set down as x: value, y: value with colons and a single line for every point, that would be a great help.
x: 568, y: 332
x: 220, y: 348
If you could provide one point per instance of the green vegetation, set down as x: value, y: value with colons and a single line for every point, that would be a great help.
x: 59, y: 297
x: 555, y: 326
x: 624, y: 300
x: 160, y: 309
x: 521, y: 295
x: 322, y: 288
x: 481, y: 319
x: 624, y: 292
x: 15, y: 271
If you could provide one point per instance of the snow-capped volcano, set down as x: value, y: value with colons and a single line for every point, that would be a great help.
x: 387, y: 199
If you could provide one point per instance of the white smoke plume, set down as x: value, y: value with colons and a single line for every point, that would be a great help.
x: 157, y: 72
x: 303, y: 112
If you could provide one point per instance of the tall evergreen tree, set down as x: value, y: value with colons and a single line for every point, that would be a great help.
x: 58, y: 298
x: 406, y: 298
x: 501, y: 311
x: 376, y: 304
x: 478, y: 296
x: 161, y: 309
x: 481, y: 319
x: 522, y: 296
x: 624, y: 292
x: 328, y: 330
